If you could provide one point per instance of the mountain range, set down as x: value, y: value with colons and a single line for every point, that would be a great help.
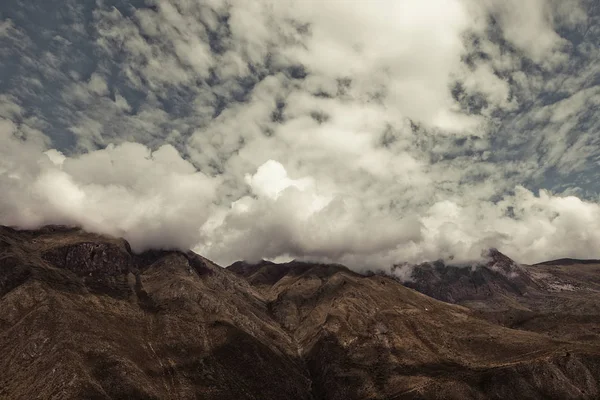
x: 84, y: 317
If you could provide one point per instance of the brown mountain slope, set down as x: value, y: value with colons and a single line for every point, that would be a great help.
x: 83, y: 317
x: 385, y: 341
x: 567, y: 303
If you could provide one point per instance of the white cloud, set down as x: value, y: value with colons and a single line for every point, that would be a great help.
x: 98, y: 85
x: 529, y: 26
x: 153, y: 199
x: 271, y: 179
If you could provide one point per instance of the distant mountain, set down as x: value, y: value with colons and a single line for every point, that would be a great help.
x: 559, y: 298
x: 569, y: 261
x: 82, y: 317
x: 495, y: 276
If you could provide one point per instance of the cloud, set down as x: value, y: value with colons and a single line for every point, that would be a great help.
x: 529, y: 27
x: 401, y: 131
x: 154, y: 199
x: 305, y: 222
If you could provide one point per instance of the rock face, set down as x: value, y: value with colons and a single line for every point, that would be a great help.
x: 82, y: 317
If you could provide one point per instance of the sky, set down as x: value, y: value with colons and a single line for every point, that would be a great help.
x: 367, y: 133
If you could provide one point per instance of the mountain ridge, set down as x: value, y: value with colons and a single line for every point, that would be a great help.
x: 81, y: 316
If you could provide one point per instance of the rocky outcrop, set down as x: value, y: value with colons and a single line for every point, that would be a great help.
x: 90, y: 258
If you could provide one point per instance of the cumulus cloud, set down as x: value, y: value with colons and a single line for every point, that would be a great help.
x: 154, y: 199
x: 345, y: 132
x: 306, y: 222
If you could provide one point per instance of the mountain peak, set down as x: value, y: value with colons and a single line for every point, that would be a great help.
x: 495, y: 275
x: 499, y: 262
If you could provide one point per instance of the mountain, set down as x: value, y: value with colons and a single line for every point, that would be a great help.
x: 559, y: 298
x: 569, y: 261
x: 496, y: 276
x: 81, y: 316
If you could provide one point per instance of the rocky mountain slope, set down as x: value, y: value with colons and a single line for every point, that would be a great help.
x: 81, y: 316
x: 496, y: 276
x: 560, y: 298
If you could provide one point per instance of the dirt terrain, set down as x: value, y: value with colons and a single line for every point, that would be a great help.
x: 82, y: 317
